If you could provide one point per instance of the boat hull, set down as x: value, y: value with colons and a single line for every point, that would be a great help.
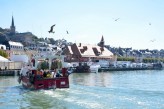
x: 45, y: 83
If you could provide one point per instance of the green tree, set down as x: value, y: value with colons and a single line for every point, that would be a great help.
x: 3, y: 53
x: 125, y: 59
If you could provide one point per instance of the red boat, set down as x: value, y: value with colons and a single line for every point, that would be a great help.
x: 34, y: 81
x: 44, y: 72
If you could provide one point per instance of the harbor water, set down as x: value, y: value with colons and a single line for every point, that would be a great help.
x: 105, y: 90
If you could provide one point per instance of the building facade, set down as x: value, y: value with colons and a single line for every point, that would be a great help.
x: 85, y: 52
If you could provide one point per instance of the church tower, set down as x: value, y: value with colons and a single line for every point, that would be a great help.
x: 102, y: 42
x: 12, y: 27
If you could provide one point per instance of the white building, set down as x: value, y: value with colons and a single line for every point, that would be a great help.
x: 2, y: 47
x: 15, y: 46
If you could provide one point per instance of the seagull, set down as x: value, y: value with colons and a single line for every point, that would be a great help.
x: 51, y: 29
x: 149, y: 23
x: 152, y: 40
x: 67, y: 32
x: 117, y: 19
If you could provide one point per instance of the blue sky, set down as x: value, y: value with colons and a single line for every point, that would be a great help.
x: 88, y: 20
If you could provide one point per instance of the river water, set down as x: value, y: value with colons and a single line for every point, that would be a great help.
x: 105, y: 90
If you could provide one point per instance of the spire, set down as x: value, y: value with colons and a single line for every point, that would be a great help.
x: 12, y: 23
x: 12, y: 27
x: 101, y: 43
x: 102, y: 39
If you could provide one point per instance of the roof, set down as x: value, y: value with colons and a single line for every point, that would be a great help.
x: 69, y: 47
x: 15, y: 43
x: 2, y: 59
x: 88, y: 50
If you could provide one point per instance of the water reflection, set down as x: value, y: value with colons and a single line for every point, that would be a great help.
x: 92, y: 79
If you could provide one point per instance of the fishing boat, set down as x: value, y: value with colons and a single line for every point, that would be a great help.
x: 44, y: 72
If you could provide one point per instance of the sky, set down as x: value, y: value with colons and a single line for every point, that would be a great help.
x: 140, y: 23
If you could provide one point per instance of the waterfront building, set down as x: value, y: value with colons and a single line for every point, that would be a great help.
x: 86, y: 52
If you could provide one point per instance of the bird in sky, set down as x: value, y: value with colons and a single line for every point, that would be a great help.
x: 149, y: 23
x: 117, y: 19
x: 67, y: 32
x: 153, y: 40
x: 51, y: 29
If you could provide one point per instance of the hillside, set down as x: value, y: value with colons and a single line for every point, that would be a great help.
x: 26, y: 38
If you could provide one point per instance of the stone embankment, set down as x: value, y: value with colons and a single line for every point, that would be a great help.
x: 9, y: 72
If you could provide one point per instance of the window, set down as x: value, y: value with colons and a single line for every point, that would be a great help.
x: 44, y: 49
x: 2, y: 47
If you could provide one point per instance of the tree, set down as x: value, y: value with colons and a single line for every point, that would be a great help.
x: 125, y: 59
x: 52, y: 41
x: 3, y: 53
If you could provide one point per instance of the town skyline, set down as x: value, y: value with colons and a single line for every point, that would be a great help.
x: 134, y: 24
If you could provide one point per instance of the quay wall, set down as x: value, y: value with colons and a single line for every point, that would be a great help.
x: 10, y: 68
x: 9, y: 72
x: 11, y: 65
x: 124, y: 69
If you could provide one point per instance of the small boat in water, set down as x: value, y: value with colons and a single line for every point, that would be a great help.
x: 34, y: 81
x: 157, y: 66
x: 37, y: 76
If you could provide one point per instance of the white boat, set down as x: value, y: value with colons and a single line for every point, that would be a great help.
x: 94, y: 68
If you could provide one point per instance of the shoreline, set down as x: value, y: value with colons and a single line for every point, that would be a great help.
x: 9, y: 72
x: 125, y: 69
x: 16, y: 72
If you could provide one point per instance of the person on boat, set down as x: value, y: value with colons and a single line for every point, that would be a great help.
x: 48, y: 74
x: 28, y: 73
x: 53, y: 73
x: 33, y: 62
x: 44, y: 74
x: 32, y: 77
x: 59, y: 74
x: 24, y: 71
x: 59, y: 64
x: 39, y: 74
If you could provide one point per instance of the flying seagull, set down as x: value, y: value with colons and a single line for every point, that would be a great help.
x: 51, y: 29
x: 117, y: 19
x: 149, y: 23
x: 67, y: 32
x: 152, y: 40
